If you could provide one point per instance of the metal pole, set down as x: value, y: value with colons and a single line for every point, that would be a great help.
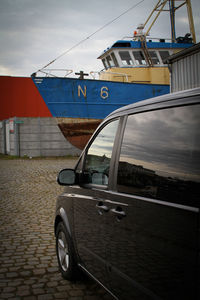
x: 4, y: 136
x: 155, y: 8
x: 17, y: 137
x: 172, y: 20
x: 161, y: 9
x: 191, y: 21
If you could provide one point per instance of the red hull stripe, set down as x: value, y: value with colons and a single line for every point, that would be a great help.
x: 19, y: 97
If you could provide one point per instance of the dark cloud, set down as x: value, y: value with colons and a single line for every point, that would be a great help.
x: 33, y: 32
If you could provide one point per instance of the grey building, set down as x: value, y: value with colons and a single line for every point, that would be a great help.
x: 184, y: 67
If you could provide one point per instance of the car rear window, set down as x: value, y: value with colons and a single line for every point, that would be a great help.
x: 160, y: 155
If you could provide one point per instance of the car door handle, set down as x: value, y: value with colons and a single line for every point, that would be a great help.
x: 118, y: 212
x: 103, y: 207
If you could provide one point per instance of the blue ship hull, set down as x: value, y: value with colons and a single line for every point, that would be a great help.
x: 91, y: 99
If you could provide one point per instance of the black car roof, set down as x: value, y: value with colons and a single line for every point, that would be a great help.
x: 156, y: 100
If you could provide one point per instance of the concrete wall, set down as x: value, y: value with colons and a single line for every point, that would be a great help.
x: 34, y: 137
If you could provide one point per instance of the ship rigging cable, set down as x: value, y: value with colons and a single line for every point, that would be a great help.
x: 85, y: 39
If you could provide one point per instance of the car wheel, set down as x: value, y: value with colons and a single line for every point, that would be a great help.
x: 65, y: 253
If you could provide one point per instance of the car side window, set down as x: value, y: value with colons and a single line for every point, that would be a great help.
x: 97, y: 161
x: 160, y: 155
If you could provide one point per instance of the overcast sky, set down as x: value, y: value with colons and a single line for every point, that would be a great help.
x: 34, y: 32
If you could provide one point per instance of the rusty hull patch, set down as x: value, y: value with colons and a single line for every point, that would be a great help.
x: 78, y: 134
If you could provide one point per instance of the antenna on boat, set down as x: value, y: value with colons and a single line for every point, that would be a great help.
x: 161, y: 6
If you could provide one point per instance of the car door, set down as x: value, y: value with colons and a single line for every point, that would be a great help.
x: 154, y: 228
x: 90, y: 209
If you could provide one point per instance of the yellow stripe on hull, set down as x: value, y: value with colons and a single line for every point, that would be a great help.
x: 154, y: 75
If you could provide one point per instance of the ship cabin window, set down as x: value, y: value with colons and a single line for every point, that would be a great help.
x: 154, y: 57
x: 109, y: 61
x: 139, y: 58
x: 105, y: 63
x: 164, y: 54
x: 114, y: 59
x: 126, y: 58
x: 134, y: 58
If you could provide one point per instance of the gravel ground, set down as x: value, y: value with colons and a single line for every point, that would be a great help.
x: 28, y: 264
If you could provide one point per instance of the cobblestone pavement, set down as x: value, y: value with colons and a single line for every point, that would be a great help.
x: 28, y: 264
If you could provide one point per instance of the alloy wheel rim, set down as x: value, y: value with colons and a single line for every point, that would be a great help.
x: 63, y: 251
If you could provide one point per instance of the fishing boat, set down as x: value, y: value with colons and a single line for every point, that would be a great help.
x: 134, y: 70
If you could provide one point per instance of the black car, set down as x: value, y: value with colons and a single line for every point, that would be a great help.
x: 129, y: 216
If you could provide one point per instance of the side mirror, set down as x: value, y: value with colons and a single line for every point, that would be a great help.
x: 66, y: 177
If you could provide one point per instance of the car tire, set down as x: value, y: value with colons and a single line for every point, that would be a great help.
x: 65, y: 253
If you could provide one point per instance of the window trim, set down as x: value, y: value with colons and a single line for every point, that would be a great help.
x: 156, y: 201
x: 112, y: 183
x: 112, y: 160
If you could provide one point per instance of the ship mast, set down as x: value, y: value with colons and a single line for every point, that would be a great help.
x: 161, y: 6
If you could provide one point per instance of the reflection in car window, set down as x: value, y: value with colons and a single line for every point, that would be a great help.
x: 160, y: 155
x: 97, y: 162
